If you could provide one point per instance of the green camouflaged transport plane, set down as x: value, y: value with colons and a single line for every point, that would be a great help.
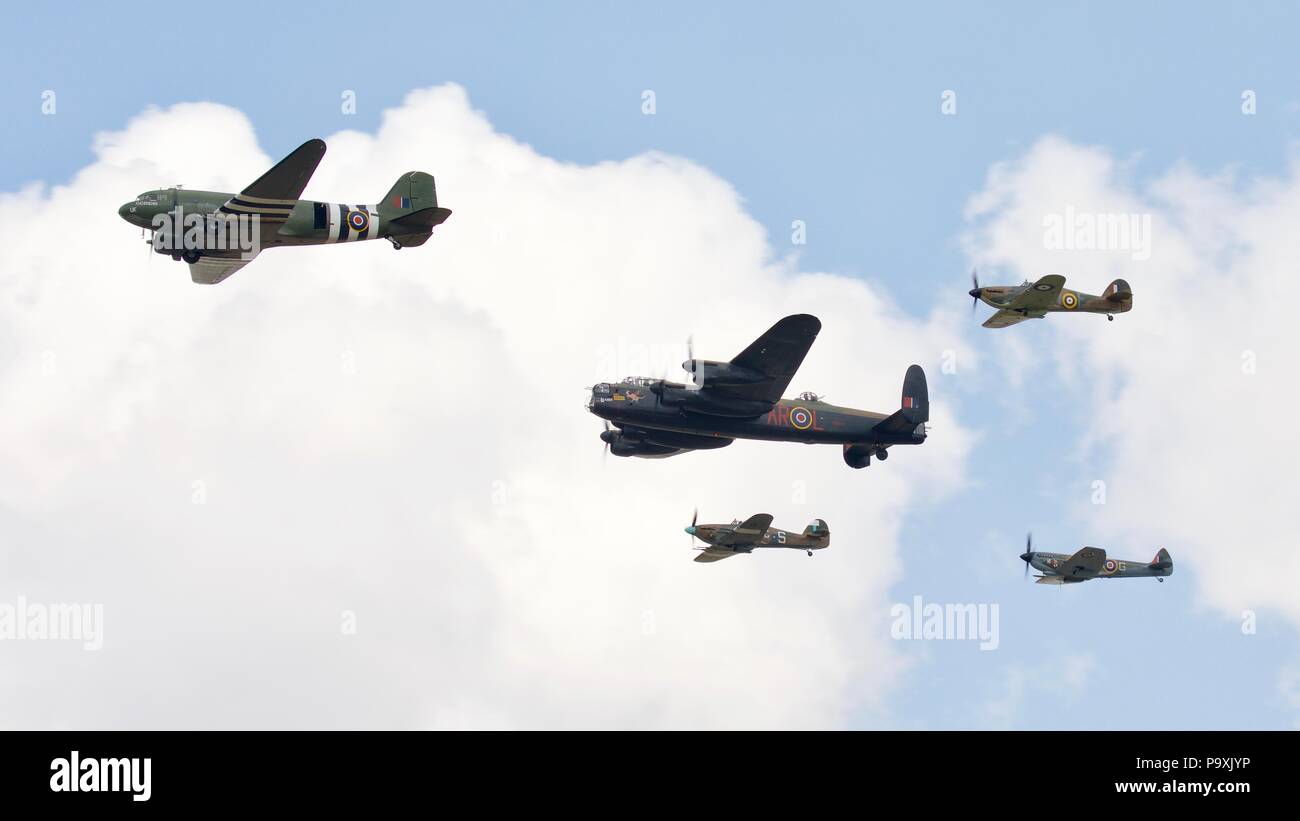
x: 741, y: 399
x: 218, y: 233
x: 1091, y: 563
x: 756, y: 531
x: 1016, y: 303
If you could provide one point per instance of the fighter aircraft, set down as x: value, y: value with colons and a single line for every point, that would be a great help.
x: 1016, y: 303
x: 741, y: 399
x: 218, y: 233
x: 756, y: 531
x: 1091, y: 563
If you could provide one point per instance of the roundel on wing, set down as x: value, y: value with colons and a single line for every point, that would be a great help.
x: 1042, y: 286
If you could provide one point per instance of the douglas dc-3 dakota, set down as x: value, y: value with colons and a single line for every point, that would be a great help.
x: 743, y: 537
x: 1034, y: 300
x: 741, y: 399
x: 218, y: 233
x: 1091, y: 563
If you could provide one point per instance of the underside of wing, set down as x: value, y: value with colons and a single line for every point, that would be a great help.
x: 272, y: 196
x: 777, y: 354
x: 1003, y: 318
x: 1084, y: 564
x: 211, y: 270
x: 714, y: 555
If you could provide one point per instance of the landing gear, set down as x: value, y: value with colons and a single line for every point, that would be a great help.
x: 191, y: 256
x: 397, y: 246
x: 881, y: 454
x: 176, y: 257
x: 810, y: 554
x: 1110, y: 317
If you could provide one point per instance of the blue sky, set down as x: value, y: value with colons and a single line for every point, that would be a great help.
x: 829, y: 113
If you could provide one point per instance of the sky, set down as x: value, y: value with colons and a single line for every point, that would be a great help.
x: 398, y: 440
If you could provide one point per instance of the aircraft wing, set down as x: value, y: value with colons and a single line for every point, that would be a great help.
x: 714, y: 555
x: 777, y: 354
x: 1045, y: 293
x: 273, y: 195
x: 1084, y: 564
x: 211, y: 270
x: 748, y: 531
x: 1003, y: 318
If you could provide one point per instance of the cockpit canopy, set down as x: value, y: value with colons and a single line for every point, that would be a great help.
x: 809, y: 396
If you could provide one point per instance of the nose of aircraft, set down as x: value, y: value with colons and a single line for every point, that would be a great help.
x: 1024, y: 557
x: 975, y: 292
x: 125, y: 211
x: 690, y: 529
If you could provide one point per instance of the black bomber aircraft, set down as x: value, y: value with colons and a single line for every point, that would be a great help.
x: 741, y: 399
x: 217, y: 233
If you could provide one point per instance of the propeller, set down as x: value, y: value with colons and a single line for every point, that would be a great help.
x: 975, y: 289
x: 1029, y: 552
x: 604, y: 457
x: 691, y: 530
x: 690, y: 359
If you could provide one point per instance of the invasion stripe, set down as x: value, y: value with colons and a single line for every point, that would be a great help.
x: 264, y: 200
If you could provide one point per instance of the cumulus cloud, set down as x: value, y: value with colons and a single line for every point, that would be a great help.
x: 1184, y: 400
x: 349, y: 436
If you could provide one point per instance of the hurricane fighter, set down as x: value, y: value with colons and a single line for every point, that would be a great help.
x: 1034, y: 300
x: 723, y: 541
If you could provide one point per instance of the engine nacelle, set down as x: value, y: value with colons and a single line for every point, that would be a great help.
x: 859, y: 456
x: 708, y: 372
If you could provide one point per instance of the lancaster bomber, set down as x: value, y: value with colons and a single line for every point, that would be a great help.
x: 1016, y: 303
x: 742, y: 537
x: 741, y: 399
x: 218, y: 233
x: 1091, y: 563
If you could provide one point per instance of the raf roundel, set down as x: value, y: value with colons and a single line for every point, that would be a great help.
x: 358, y: 220
x: 1110, y: 566
x: 1069, y: 300
x: 801, y: 418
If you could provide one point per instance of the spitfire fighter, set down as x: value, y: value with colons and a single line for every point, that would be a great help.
x: 218, y: 233
x: 741, y: 399
x: 1016, y: 303
x: 742, y: 537
x: 1091, y: 563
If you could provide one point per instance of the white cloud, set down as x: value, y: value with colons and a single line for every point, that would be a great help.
x: 1061, y: 680
x: 450, y: 491
x: 1196, y: 450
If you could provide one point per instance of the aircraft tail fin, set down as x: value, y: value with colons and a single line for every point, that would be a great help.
x: 915, y: 410
x: 1120, y: 293
x: 411, y: 208
x: 916, y: 396
x: 1163, y: 561
x: 818, y: 528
